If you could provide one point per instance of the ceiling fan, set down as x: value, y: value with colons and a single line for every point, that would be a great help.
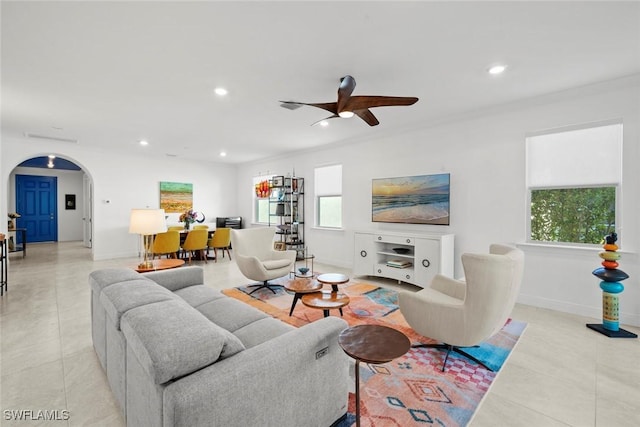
x: 348, y: 106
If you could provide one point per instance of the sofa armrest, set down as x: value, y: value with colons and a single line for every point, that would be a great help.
x: 284, y: 378
x: 177, y: 278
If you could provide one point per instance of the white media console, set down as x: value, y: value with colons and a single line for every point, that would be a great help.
x: 408, y: 257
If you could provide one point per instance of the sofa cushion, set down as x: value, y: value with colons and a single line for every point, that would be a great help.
x: 121, y: 297
x: 171, y: 339
x: 261, y: 331
x: 230, y: 313
x: 232, y: 344
x: 199, y: 294
x: 275, y: 264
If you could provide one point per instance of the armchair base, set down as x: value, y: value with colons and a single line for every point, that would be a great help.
x: 451, y: 348
x: 266, y: 284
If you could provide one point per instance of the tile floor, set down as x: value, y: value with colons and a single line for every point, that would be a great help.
x: 560, y: 374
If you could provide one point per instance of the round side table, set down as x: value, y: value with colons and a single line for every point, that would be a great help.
x: 333, y: 279
x: 300, y: 287
x: 160, y: 264
x: 372, y: 344
x: 325, y: 301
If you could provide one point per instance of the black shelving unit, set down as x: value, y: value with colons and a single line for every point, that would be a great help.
x: 4, y: 273
x: 286, y: 212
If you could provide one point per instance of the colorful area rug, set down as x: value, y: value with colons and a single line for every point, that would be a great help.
x: 411, y: 390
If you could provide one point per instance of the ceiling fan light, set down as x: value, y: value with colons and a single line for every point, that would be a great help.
x: 346, y: 114
x: 497, y: 69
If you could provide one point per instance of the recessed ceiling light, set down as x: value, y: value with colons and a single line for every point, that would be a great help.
x: 497, y: 69
x: 223, y: 154
x: 144, y: 142
x: 221, y: 91
x: 324, y: 123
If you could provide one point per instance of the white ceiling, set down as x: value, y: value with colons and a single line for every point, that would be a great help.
x: 112, y: 73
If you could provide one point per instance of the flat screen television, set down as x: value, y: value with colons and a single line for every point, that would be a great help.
x: 422, y: 199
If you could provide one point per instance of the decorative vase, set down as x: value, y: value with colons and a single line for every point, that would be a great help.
x: 11, y: 225
x: 610, y: 277
x: 187, y: 225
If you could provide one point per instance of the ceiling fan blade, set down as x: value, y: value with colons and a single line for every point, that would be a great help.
x: 363, y: 102
x: 347, y: 85
x: 328, y: 106
x: 327, y: 118
x: 368, y: 117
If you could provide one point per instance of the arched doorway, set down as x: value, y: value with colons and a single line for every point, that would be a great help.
x: 53, y: 195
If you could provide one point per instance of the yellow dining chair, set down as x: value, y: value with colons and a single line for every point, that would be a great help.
x: 221, y: 240
x: 166, y: 244
x: 196, y: 242
x: 175, y: 228
x: 200, y: 227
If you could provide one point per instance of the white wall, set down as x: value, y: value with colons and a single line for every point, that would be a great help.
x: 122, y: 183
x: 484, y: 153
x: 68, y: 182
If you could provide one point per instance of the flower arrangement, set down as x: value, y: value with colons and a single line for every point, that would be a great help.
x: 263, y: 189
x: 12, y: 216
x: 188, y: 217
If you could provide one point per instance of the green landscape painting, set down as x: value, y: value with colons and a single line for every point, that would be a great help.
x: 176, y: 196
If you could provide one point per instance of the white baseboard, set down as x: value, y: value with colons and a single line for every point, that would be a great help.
x: 581, y: 310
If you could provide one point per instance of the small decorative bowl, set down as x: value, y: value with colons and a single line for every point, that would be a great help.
x: 303, y: 270
x: 401, y: 250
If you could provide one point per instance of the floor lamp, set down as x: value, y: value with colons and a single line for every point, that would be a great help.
x: 147, y: 222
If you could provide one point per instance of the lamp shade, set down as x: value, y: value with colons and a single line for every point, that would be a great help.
x: 147, y: 221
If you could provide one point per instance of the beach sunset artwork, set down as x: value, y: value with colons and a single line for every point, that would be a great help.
x: 176, y: 196
x: 422, y: 199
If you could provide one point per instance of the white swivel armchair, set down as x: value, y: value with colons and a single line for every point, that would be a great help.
x: 463, y: 313
x: 256, y: 258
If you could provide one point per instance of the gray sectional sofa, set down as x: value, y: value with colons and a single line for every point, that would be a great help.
x: 178, y: 353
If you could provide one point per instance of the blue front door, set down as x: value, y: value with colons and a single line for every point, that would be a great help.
x: 36, y: 203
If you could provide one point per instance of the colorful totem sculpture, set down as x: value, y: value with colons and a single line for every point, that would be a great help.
x: 611, y: 288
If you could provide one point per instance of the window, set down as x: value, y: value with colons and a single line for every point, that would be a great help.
x: 328, y: 192
x: 574, y: 178
x: 261, y: 205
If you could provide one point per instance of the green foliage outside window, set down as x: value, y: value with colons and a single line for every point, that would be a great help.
x: 573, y: 215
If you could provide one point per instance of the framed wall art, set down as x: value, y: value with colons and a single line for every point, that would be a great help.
x: 176, y: 197
x: 422, y: 199
x: 70, y: 202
